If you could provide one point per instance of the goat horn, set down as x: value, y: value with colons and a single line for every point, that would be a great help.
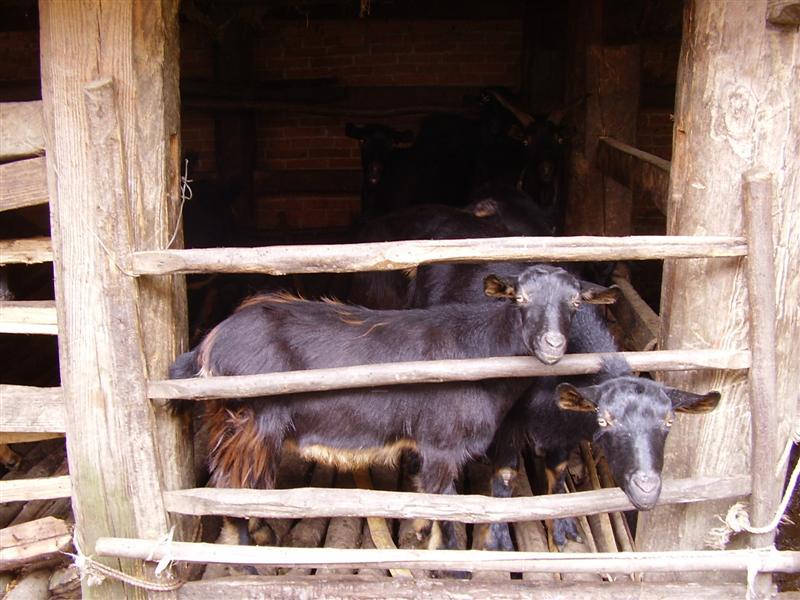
x: 524, y: 118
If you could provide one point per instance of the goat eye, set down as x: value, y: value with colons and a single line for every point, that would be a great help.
x: 521, y: 299
x: 668, y: 423
x: 602, y: 422
x: 576, y: 304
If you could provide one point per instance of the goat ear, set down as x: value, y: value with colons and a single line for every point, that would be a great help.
x: 495, y: 287
x: 687, y: 402
x: 402, y: 137
x: 571, y: 398
x: 354, y: 131
x: 592, y: 293
x: 486, y: 207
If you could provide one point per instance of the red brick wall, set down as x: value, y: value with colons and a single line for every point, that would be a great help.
x: 358, y: 53
x: 398, y: 52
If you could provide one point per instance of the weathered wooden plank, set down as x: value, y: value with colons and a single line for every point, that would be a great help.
x: 32, y: 316
x: 43, y: 488
x: 737, y: 106
x: 23, y: 183
x: 357, y: 588
x: 640, y: 324
x: 112, y: 161
x: 783, y: 12
x: 31, y: 409
x: 18, y: 437
x: 768, y: 560
x: 387, y: 256
x: 471, y: 369
x: 645, y: 174
x: 22, y: 133
x: 26, y: 251
x: 322, y: 502
x: 33, y: 542
x: 762, y: 375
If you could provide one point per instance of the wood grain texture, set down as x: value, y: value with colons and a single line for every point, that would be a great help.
x: 26, y: 251
x: 23, y: 183
x: 110, y: 151
x: 785, y: 13
x: 31, y: 316
x: 387, y: 256
x: 35, y: 489
x: 357, y: 588
x: 33, y: 542
x: 31, y: 409
x: 736, y: 107
x: 469, y: 369
x: 322, y: 502
x: 22, y: 133
x: 768, y: 560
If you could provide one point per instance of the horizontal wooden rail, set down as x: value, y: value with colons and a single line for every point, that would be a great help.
x: 32, y: 409
x: 38, y: 316
x: 358, y: 587
x: 323, y: 502
x: 647, y: 175
x: 292, y: 382
x: 469, y: 560
x: 387, y: 256
x: 43, y: 488
x: 26, y: 251
x: 22, y: 131
x: 23, y: 183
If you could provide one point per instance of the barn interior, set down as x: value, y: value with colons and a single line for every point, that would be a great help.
x: 267, y: 91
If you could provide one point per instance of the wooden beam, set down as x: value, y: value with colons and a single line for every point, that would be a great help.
x: 357, y: 588
x: 785, y: 13
x: 23, y: 183
x: 640, y: 323
x: 322, y: 502
x: 31, y: 409
x: 32, y: 316
x: 768, y: 473
x: 387, y: 256
x: 26, y: 251
x: 110, y: 92
x: 645, y: 174
x: 33, y: 542
x: 44, y: 488
x: 22, y: 133
x: 767, y: 560
x: 19, y: 437
x: 737, y: 107
x: 315, y: 380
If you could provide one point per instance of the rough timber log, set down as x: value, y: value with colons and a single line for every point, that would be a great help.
x: 24, y: 183
x: 112, y: 159
x: 737, y: 106
x: 21, y: 133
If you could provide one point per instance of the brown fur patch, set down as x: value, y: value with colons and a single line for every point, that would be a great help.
x: 204, y: 354
x: 271, y: 298
x: 239, y: 456
x: 410, y: 273
x: 351, y: 459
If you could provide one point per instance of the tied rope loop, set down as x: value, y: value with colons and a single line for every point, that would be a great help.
x: 737, y: 519
x: 186, y: 194
x: 94, y: 573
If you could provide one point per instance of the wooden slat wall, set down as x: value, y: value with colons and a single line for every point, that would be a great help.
x: 23, y: 183
x: 22, y: 132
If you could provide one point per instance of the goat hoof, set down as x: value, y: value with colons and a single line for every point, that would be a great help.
x: 564, y: 529
x: 452, y: 574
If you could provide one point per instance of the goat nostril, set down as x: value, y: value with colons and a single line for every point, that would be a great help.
x: 645, y: 482
x: 554, y: 339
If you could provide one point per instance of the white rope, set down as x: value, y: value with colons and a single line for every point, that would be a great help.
x: 737, y: 519
x: 186, y: 194
x: 94, y: 573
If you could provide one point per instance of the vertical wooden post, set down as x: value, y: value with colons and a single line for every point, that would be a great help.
x: 737, y: 106
x: 112, y: 175
x: 598, y: 205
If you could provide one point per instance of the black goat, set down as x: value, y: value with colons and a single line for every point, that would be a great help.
x: 628, y: 417
x: 443, y: 424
